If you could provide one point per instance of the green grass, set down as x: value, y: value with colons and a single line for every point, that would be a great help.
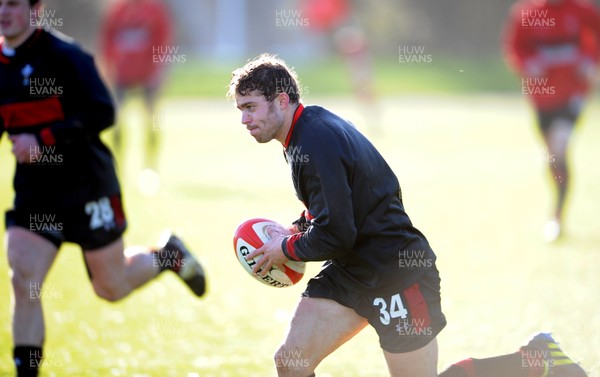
x: 473, y: 179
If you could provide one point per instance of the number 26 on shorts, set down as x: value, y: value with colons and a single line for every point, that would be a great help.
x: 101, y: 213
x: 396, y: 308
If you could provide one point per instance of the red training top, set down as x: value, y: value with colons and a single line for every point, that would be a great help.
x: 135, y: 34
x: 554, y: 46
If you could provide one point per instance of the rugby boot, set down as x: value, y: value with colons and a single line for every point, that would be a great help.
x: 543, y: 353
x: 183, y: 263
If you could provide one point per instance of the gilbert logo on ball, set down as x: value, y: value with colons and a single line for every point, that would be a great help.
x: 252, y: 234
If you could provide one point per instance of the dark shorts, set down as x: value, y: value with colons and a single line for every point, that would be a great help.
x: 405, y: 319
x: 569, y: 112
x: 92, y: 225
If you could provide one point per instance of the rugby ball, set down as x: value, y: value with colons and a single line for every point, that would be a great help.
x: 252, y: 234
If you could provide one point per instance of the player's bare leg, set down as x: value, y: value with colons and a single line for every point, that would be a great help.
x: 557, y: 139
x: 319, y: 327
x: 540, y: 357
x: 419, y: 363
x: 155, y: 121
x: 115, y: 273
x: 30, y: 257
x: 154, y: 124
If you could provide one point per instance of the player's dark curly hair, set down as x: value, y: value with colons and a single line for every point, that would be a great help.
x: 33, y: 2
x: 268, y: 75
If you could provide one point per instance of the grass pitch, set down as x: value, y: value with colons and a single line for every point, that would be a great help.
x: 474, y: 181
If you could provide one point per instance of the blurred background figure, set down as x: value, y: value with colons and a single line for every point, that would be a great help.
x: 134, y: 35
x: 554, y: 45
x: 336, y: 19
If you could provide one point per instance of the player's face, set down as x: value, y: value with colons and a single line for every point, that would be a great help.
x: 14, y: 19
x: 263, y: 119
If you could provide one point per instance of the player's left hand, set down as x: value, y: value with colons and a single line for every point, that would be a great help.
x: 272, y: 254
x: 25, y: 148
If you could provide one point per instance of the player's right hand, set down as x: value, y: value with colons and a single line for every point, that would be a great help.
x: 272, y: 254
x: 25, y: 148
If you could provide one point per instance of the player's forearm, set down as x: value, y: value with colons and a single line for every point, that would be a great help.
x: 78, y: 128
x: 318, y: 244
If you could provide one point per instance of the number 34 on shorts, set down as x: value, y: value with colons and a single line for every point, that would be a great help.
x: 390, y: 308
x: 408, y: 311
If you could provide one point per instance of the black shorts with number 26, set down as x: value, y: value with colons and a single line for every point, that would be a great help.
x: 92, y: 224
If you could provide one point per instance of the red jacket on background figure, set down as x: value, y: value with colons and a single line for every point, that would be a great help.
x: 555, y: 47
x: 133, y: 33
x: 326, y: 15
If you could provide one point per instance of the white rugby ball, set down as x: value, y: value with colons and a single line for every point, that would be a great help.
x: 252, y: 234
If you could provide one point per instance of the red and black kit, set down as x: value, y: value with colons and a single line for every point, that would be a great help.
x: 555, y: 47
x: 51, y: 88
x: 377, y: 262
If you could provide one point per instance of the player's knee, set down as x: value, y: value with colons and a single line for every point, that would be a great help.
x: 21, y: 283
x: 22, y: 275
x: 293, y: 362
x: 108, y: 292
x: 19, y: 270
x: 18, y: 258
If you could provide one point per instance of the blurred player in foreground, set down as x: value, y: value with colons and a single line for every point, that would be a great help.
x: 379, y: 270
x: 53, y: 105
x: 134, y: 35
x: 554, y: 45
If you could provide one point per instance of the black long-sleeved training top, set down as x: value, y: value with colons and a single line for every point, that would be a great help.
x: 354, y: 205
x: 50, y: 87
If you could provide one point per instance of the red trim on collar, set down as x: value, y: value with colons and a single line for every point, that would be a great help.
x: 297, y: 114
x: 3, y: 59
